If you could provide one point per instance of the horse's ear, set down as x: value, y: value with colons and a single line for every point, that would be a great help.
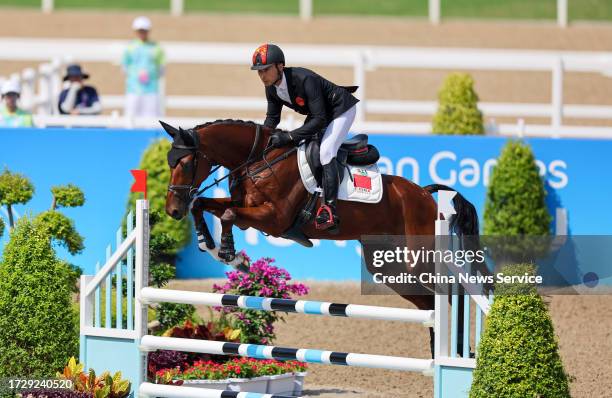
x: 172, y: 131
x: 187, y: 137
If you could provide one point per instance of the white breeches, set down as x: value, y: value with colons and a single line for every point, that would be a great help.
x: 142, y: 105
x: 335, y: 134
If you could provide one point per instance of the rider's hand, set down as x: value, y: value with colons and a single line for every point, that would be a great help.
x: 280, y: 139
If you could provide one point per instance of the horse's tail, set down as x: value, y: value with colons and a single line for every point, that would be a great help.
x: 465, y: 225
x: 465, y: 222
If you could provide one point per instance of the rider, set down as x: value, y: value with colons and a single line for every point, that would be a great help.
x: 328, y: 107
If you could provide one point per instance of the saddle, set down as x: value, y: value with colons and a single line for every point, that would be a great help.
x: 353, y: 152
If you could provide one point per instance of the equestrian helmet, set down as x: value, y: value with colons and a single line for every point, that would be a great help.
x: 267, y: 55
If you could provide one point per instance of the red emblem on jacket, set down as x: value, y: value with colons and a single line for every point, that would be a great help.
x: 300, y: 101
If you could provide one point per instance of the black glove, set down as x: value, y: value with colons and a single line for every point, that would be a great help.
x: 280, y: 139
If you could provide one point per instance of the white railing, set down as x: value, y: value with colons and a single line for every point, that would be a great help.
x: 361, y: 59
x: 519, y: 129
x: 177, y: 8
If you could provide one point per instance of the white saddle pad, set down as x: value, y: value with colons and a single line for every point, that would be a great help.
x: 364, y: 186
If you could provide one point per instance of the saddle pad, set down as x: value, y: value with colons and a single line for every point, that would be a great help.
x: 365, y: 186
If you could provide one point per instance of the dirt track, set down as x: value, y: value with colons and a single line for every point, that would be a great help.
x: 387, y: 83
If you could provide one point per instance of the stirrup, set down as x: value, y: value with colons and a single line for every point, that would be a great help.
x: 330, y: 223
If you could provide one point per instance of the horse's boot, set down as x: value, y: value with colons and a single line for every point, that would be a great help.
x: 326, y: 215
x: 227, y: 252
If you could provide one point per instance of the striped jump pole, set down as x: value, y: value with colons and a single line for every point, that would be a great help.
x: 152, y: 343
x: 168, y: 391
x: 153, y: 295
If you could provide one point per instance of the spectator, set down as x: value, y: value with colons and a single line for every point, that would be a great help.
x: 10, y: 114
x: 77, y: 98
x: 143, y: 64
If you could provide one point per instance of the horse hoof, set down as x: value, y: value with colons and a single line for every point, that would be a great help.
x: 241, y: 264
x: 203, y: 245
x: 227, y: 256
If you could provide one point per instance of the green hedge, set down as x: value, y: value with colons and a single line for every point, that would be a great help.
x: 518, y: 355
x: 39, y: 329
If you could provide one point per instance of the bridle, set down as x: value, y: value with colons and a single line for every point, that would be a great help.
x: 190, y: 191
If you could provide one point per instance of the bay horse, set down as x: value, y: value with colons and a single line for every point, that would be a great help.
x: 266, y: 193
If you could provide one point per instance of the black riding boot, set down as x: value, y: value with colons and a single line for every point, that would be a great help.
x: 326, y: 215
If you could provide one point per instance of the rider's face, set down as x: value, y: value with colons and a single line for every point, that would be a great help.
x: 271, y: 74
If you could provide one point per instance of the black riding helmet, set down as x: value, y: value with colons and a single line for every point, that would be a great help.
x: 266, y: 55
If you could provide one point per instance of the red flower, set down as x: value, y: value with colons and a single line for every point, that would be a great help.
x: 300, y: 101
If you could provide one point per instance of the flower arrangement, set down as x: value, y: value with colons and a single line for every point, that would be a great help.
x: 264, y: 279
x: 242, y: 368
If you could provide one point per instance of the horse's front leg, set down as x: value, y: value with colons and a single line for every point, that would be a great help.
x: 216, y: 206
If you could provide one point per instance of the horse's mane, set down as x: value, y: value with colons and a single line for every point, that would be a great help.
x: 226, y: 121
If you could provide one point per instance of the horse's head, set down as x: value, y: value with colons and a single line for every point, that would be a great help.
x: 189, y: 166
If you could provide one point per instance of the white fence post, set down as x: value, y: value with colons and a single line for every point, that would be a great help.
x: 434, y: 11
x: 359, y: 76
x: 56, y: 84
x: 44, y: 89
x: 28, y: 89
x: 47, y: 6
x: 177, y: 7
x: 306, y: 10
x: 557, y: 94
x: 562, y: 13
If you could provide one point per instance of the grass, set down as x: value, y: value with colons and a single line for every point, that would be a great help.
x: 503, y: 9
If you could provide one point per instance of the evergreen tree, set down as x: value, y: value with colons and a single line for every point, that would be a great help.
x: 458, y: 111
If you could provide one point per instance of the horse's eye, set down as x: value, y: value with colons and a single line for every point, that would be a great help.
x: 187, y: 167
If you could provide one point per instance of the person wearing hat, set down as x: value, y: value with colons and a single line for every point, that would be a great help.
x: 77, y: 98
x: 10, y: 114
x: 143, y: 64
x: 330, y: 109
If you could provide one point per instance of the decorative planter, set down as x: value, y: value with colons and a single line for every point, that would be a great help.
x: 285, y: 384
x: 256, y: 384
x: 210, y: 384
x: 281, y: 384
x: 298, y: 383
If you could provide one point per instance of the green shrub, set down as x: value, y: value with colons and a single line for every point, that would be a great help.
x: 15, y: 189
x: 38, y: 326
x: 515, y: 201
x: 518, y: 354
x: 458, y: 107
x: 67, y: 196
x: 61, y: 229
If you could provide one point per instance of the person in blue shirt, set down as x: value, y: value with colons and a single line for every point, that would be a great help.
x: 143, y: 64
x: 77, y: 98
x: 10, y: 114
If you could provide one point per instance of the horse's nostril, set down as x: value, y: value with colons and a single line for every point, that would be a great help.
x: 176, y: 215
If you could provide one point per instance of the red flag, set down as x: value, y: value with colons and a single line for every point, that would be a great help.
x: 140, y: 181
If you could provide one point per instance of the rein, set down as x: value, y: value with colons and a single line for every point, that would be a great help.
x: 194, y: 192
